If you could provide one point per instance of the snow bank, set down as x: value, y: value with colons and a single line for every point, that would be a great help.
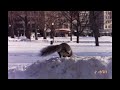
x: 102, y: 39
x: 16, y: 39
x: 65, y: 68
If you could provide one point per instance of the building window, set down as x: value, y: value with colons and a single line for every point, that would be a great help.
x: 106, y: 12
x: 110, y: 21
x: 110, y: 26
x: 106, y: 22
x: 110, y: 17
x: 105, y: 26
x: 106, y: 17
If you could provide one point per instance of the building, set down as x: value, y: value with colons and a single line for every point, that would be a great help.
x: 105, y: 23
x: 108, y: 21
x: 62, y: 32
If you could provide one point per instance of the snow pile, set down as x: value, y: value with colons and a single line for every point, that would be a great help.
x: 66, y: 68
x: 104, y: 38
x: 21, y: 38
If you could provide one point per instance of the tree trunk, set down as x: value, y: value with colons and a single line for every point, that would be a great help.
x: 96, y: 41
x: 36, y: 24
x: 94, y: 27
x: 77, y: 34
x: 96, y: 34
x: 77, y: 38
x: 12, y: 31
x: 12, y: 25
x: 27, y: 33
x: 71, y: 29
x: 52, y: 32
x: 36, y: 36
x: 78, y: 27
x: 44, y: 34
x: 27, y: 30
x: 71, y: 36
x: 18, y: 34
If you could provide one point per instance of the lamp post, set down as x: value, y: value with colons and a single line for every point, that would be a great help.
x: 11, y: 31
x: 52, y: 30
x: 9, y: 28
x: 44, y: 33
x: 75, y: 22
x: 9, y: 25
x: 52, y: 33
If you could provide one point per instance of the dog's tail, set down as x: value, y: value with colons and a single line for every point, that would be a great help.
x: 50, y: 49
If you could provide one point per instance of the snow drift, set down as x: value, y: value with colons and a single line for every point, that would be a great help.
x: 66, y: 68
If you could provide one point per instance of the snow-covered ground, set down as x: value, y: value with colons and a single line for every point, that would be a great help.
x: 23, y: 54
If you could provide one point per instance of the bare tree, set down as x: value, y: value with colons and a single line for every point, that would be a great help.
x: 94, y: 23
x: 27, y: 19
x: 11, y: 26
x: 27, y: 29
x: 81, y: 18
x: 45, y: 27
x: 69, y: 16
x: 23, y: 15
x: 52, y: 17
x: 36, y: 24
